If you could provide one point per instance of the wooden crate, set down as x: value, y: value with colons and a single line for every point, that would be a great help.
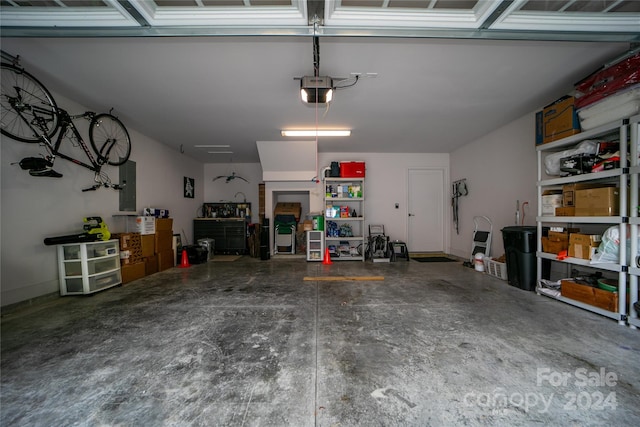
x: 589, y: 295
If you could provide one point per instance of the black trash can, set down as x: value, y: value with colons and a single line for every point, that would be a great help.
x: 520, y: 251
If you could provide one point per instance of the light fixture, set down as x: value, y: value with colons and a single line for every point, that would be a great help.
x: 212, y: 146
x: 316, y: 132
x: 316, y: 89
x: 220, y: 152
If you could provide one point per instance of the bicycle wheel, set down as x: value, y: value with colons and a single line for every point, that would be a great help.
x: 109, y: 139
x: 28, y: 109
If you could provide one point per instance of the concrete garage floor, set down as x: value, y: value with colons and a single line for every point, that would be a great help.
x: 250, y: 343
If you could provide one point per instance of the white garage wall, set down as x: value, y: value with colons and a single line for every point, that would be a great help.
x: 386, y: 184
x: 500, y: 169
x: 35, y: 208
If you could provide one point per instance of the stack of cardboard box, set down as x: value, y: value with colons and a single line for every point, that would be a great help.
x: 147, y: 250
x: 131, y: 261
x: 557, y: 240
x: 164, y: 243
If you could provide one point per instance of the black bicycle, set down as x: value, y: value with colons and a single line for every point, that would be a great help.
x: 30, y: 114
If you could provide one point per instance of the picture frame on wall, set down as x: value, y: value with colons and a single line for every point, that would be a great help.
x: 189, y: 187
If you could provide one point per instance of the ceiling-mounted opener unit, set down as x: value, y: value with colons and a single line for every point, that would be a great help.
x: 316, y: 89
x: 319, y: 89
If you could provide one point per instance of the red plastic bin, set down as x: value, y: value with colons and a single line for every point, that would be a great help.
x: 352, y: 169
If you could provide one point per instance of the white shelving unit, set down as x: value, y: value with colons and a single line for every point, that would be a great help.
x: 634, y: 219
x: 85, y: 268
x: 315, y: 245
x: 348, y: 248
x: 615, y: 130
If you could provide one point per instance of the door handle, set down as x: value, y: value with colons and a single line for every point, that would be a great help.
x: 411, y: 214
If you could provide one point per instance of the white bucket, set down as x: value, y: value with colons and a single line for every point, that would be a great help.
x: 478, y: 261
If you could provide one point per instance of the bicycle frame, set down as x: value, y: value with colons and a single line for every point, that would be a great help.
x: 36, y: 118
x: 66, y: 123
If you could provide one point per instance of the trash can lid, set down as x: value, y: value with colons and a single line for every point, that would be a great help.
x: 520, y: 228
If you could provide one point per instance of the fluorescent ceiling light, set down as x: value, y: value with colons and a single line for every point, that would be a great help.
x: 315, y: 132
x: 220, y: 152
x: 212, y: 146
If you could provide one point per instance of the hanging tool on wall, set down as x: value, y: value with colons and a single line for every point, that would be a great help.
x: 459, y: 190
x: 229, y: 178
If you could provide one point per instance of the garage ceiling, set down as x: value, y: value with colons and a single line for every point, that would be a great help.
x: 433, y: 75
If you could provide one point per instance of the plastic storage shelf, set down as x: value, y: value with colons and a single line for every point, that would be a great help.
x: 343, y: 196
x: 626, y: 131
x: 85, y: 268
x: 315, y: 245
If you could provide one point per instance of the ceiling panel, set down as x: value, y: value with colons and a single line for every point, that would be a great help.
x: 437, y: 64
x: 595, y: 20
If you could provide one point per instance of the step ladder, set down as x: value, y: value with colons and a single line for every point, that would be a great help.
x: 481, y: 238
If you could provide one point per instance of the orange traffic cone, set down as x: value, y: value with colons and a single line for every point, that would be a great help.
x: 327, y: 257
x: 185, y: 259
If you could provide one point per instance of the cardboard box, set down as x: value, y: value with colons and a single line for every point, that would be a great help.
x: 561, y: 234
x: 566, y: 211
x: 128, y: 240
x: 603, y: 201
x: 148, y: 242
x: 557, y: 120
x: 150, y: 265
x: 131, y: 272
x: 583, y: 246
x: 164, y: 224
x: 129, y: 257
x: 557, y: 241
x: 166, y: 259
x: 307, y: 225
x: 352, y: 169
x: 589, y: 295
x: 550, y: 202
x: 585, y: 239
x: 163, y: 241
x: 568, y: 191
x: 130, y: 247
x: 294, y: 209
x: 141, y: 224
x: 553, y: 247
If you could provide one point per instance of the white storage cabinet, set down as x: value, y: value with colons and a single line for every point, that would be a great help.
x: 85, y: 268
x: 620, y: 176
x: 348, y: 248
x: 315, y: 245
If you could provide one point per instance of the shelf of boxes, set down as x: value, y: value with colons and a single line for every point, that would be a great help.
x: 619, y: 177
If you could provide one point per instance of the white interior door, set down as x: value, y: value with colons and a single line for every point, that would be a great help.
x: 426, y: 228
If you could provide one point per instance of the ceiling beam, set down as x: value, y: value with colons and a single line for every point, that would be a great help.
x: 126, y: 4
x: 326, y: 32
x: 495, y: 15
